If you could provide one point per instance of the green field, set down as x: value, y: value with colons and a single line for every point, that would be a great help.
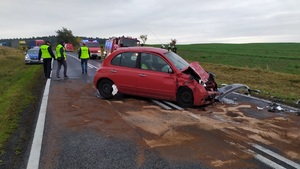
x: 277, y: 57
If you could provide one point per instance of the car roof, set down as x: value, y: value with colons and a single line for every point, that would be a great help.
x: 142, y: 49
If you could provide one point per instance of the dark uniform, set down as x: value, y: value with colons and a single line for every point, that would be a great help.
x: 47, y: 54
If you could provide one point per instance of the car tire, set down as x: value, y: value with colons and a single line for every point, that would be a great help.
x: 105, y: 88
x: 185, y: 97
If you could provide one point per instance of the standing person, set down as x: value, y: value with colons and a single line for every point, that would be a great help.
x: 61, y: 58
x: 84, y: 55
x: 47, y: 54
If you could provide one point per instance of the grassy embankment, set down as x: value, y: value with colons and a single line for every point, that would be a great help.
x: 273, y: 68
x: 17, y: 82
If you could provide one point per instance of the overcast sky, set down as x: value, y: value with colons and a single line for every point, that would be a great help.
x: 187, y: 21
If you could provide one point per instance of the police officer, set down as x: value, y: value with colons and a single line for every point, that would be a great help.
x: 47, y: 54
x: 84, y: 55
x: 61, y: 59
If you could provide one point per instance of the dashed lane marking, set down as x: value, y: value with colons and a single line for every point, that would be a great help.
x: 277, y: 156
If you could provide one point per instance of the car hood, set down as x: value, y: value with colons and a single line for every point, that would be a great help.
x: 195, y: 66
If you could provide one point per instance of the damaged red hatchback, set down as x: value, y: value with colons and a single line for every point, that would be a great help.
x: 155, y: 73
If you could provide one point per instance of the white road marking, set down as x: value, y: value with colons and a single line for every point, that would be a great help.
x: 279, y: 157
x: 162, y: 105
x: 173, y: 105
x: 89, y: 65
x: 267, y: 161
x: 34, y: 157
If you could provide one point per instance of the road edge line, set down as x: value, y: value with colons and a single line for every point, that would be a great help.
x: 34, y: 156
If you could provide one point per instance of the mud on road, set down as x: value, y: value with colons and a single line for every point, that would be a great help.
x: 219, y: 136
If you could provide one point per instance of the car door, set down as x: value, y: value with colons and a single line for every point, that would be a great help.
x: 124, y: 72
x: 153, y: 79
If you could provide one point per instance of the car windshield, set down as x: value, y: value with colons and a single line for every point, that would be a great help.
x: 33, y: 51
x: 178, y: 61
x: 92, y: 44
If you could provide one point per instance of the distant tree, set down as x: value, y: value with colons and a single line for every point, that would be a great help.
x: 66, y: 36
x: 143, y: 38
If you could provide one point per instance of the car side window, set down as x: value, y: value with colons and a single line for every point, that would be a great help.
x: 127, y: 59
x: 153, y: 62
x: 116, y: 60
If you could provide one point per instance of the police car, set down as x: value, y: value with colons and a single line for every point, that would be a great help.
x: 32, y: 55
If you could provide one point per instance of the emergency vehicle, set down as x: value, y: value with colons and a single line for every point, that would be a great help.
x: 114, y: 43
x: 94, y: 48
x: 69, y: 47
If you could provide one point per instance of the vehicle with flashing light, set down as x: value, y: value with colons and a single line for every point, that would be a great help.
x: 114, y: 43
x: 94, y: 48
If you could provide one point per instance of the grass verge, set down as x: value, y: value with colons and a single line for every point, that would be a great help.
x: 17, y: 82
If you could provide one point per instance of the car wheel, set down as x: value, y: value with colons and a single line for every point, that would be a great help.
x: 185, y: 97
x: 105, y: 88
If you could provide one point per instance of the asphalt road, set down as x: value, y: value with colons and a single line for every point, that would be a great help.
x: 79, y: 130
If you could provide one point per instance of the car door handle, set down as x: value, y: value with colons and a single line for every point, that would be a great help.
x: 113, y: 71
x: 143, y: 75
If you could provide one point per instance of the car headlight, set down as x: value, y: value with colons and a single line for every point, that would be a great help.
x: 27, y: 56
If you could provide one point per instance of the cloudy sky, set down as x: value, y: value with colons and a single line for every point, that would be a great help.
x: 187, y: 21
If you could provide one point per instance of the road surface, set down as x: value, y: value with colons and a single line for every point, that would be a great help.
x: 76, y: 130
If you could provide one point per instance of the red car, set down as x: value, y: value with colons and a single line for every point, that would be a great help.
x: 155, y: 73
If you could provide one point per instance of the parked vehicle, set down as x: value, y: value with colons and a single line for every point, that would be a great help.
x: 3, y: 43
x: 155, y: 73
x: 31, y: 56
x: 19, y: 44
x: 34, y: 43
x: 69, y: 47
x: 94, y: 48
x: 114, y: 43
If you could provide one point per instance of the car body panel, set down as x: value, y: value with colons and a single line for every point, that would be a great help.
x: 199, y: 71
x: 154, y: 84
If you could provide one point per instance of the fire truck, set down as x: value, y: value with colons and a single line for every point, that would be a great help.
x: 94, y: 48
x: 114, y: 43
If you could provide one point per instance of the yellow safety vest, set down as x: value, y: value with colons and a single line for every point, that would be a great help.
x: 45, y: 52
x: 84, y: 52
x: 58, y: 54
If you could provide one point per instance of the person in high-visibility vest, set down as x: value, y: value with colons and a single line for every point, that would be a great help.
x: 84, y: 54
x: 47, y: 54
x: 61, y: 58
